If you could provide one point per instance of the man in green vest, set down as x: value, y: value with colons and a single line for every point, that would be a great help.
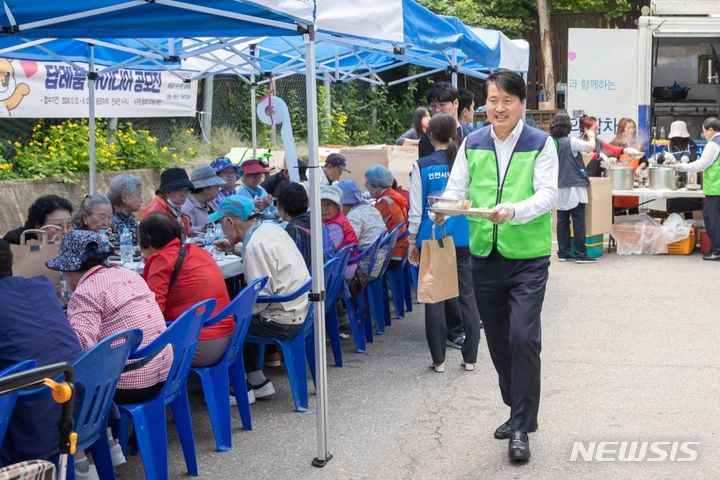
x: 709, y: 162
x: 512, y: 169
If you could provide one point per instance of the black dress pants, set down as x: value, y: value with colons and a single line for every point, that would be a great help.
x: 711, y: 216
x: 510, y: 295
x: 465, y: 309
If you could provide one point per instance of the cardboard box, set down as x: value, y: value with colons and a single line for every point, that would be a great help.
x: 598, y: 211
x: 398, y: 159
x: 359, y: 159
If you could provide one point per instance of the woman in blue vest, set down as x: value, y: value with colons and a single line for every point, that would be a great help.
x: 572, y: 188
x: 429, y: 177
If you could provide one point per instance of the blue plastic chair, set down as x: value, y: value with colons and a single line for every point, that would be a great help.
x: 97, y: 374
x: 400, y: 284
x: 334, y: 288
x: 334, y: 282
x: 7, y: 401
x: 230, y: 369
x: 376, y: 288
x: 293, y: 349
x: 149, y: 417
x: 359, y: 320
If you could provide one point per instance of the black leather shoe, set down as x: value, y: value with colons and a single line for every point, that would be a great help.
x: 519, y: 447
x: 504, y: 430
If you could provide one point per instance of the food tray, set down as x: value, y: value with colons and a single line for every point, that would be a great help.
x: 454, y: 211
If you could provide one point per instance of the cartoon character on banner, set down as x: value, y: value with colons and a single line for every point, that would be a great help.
x: 11, y: 92
x: 273, y: 110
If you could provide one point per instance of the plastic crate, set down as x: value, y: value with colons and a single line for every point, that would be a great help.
x: 593, y: 245
x: 685, y: 246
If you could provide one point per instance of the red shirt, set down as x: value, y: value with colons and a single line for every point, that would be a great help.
x: 393, y: 208
x: 159, y: 204
x: 200, y: 278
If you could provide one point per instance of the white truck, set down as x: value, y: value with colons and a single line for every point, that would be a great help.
x: 665, y: 70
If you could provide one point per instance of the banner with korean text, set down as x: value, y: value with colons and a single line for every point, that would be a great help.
x: 602, y: 77
x: 30, y: 89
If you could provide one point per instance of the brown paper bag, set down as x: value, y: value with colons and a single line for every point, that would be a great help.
x: 438, y: 278
x: 30, y: 256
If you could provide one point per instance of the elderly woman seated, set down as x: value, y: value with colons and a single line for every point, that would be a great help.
x: 171, y: 196
x: 364, y: 218
x: 50, y: 213
x: 253, y: 175
x: 392, y: 205
x: 125, y: 195
x: 107, y: 300
x: 198, y: 279
x: 95, y: 214
x: 341, y: 232
x: 206, y: 185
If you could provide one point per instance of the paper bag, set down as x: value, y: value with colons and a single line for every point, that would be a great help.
x: 30, y: 256
x: 438, y: 278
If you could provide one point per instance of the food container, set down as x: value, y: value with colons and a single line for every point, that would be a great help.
x: 662, y: 178
x: 621, y: 178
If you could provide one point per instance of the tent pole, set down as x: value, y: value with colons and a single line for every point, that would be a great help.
x: 253, y: 114
x: 92, y: 75
x: 206, y: 119
x: 318, y: 282
x: 273, y: 128
x: 328, y: 98
x: 453, y: 76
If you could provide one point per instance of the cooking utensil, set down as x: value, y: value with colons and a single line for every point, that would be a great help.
x: 621, y: 178
x: 662, y: 178
x: 675, y: 93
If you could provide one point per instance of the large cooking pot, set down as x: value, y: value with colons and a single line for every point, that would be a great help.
x: 621, y: 178
x: 662, y: 178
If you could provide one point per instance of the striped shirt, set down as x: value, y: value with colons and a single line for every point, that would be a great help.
x: 108, y: 300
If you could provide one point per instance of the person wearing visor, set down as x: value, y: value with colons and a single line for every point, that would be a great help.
x: 170, y: 196
x: 267, y: 250
x: 199, y: 204
x: 254, y: 171
x: 335, y: 165
x: 228, y: 171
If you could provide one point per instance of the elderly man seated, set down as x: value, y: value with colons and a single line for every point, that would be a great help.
x: 267, y: 250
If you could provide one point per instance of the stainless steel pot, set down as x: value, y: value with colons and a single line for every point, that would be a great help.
x: 621, y: 178
x: 662, y: 178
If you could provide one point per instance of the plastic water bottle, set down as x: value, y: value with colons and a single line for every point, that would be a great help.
x: 209, y: 238
x: 219, y: 234
x: 104, y: 240
x: 65, y: 294
x: 662, y: 132
x: 126, y: 246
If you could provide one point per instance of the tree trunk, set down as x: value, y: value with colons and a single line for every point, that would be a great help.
x: 546, y: 51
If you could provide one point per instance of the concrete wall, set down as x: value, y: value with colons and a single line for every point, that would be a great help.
x: 16, y: 196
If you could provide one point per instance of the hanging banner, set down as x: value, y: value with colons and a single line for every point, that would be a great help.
x: 30, y: 89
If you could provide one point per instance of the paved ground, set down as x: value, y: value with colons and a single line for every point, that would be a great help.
x: 629, y: 353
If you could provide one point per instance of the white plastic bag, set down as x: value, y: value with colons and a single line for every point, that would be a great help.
x: 675, y: 229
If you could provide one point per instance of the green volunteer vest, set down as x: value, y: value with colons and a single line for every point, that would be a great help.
x: 513, y: 239
x: 711, y: 178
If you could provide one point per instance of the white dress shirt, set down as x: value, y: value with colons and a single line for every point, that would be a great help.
x: 545, y: 176
x: 571, y: 197
x: 710, y: 153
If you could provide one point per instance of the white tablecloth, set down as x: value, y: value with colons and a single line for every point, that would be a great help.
x: 653, y: 194
x: 231, y: 266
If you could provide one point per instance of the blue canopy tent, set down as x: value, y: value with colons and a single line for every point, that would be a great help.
x: 382, y: 28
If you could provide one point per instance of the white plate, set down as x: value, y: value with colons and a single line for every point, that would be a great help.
x: 470, y: 212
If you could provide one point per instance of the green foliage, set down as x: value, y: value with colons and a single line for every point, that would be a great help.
x: 62, y: 150
x: 517, y: 17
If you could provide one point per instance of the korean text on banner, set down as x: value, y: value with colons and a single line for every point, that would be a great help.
x: 57, y: 90
x: 602, y: 77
